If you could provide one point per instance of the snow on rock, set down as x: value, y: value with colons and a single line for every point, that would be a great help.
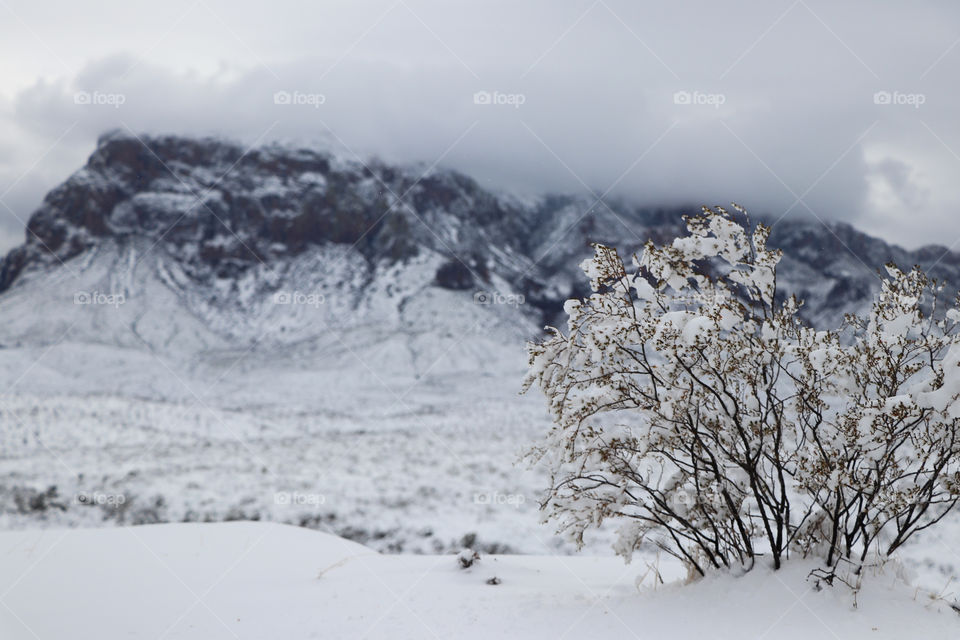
x: 257, y: 580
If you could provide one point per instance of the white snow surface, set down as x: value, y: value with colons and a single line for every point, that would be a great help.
x: 259, y: 580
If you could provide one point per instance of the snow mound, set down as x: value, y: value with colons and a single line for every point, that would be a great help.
x: 259, y: 580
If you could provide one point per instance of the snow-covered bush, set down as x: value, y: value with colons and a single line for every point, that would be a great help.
x: 467, y: 557
x: 691, y: 403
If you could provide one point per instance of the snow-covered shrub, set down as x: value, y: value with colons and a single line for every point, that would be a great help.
x: 467, y: 557
x: 693, y: 404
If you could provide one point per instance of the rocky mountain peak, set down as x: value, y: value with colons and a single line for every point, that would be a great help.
x: 219, y: 211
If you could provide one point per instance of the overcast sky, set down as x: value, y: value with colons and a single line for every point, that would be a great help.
x: 839, y: 110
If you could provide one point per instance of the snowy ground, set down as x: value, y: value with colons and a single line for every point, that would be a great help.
x: 401, y: 435
x: 397, y: 462
x: 258, y: 580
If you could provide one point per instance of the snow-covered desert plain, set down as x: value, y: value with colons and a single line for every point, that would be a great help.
x: 401, y: 465
x: 413, y: 472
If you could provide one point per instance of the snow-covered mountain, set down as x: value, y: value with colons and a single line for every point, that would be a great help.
x: 194, y: 242
x: 184, y: 245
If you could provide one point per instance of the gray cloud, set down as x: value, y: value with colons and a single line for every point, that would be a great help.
x: 849, y: 109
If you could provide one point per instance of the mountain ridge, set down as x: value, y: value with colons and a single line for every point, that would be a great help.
x: 214, y: 220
